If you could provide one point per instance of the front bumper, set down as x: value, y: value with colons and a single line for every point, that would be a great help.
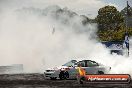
x: 51, y: 74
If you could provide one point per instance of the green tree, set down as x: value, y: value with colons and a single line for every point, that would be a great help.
x: 127, y: 16
x: 110, y: 22
x: 109, y: 18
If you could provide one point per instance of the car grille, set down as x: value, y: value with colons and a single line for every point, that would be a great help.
x: 47, y: 74
x: 49, y: 70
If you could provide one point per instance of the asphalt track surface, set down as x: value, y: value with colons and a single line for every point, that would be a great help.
x: 36, y: 80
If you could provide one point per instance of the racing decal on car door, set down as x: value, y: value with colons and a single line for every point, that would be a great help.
x: 81, y: 71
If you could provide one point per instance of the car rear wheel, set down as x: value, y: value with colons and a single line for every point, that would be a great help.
x: 100, y: 72
x: 64, y: 75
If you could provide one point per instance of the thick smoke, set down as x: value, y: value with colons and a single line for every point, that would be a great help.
x: 40, y: 38
x: 27, y: 37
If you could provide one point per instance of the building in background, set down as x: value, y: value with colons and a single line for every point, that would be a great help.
x: 12, y: 69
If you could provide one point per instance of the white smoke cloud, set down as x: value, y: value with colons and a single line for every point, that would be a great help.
x: 26, y: 36
x: 84, y: 7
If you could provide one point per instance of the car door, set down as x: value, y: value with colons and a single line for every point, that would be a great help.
x: 83, y: 65
x: 91, y: 67
x: 73, y: 72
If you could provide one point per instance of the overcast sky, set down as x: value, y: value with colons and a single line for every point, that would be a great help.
x: 86, y: 7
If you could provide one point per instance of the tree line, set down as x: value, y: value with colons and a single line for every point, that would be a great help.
x: 112, y: 23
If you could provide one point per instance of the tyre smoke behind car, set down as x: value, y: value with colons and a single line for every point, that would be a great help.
x: 42, y: 37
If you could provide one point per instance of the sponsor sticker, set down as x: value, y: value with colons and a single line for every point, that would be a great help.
x: 108, y: 78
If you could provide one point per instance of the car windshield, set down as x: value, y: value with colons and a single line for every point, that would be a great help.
x: 70, y: 63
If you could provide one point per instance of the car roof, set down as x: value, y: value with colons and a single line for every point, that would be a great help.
x: 86, y: 60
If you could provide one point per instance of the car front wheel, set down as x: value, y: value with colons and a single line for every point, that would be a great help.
x: 64, y: 75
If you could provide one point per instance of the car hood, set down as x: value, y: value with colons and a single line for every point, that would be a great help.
x: 57, y: 68
x: 101, y: 64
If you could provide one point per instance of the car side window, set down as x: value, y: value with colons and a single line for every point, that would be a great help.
x: 81, y: 63
x: 91, y: 64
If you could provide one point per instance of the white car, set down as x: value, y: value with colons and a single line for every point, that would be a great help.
x: 70, y: 69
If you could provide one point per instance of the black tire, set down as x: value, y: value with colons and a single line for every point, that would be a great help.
x: 64, y: 75
x: 61, y: 75
x: 100, y: 72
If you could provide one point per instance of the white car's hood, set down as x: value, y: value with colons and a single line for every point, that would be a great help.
x: 57, y: 68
